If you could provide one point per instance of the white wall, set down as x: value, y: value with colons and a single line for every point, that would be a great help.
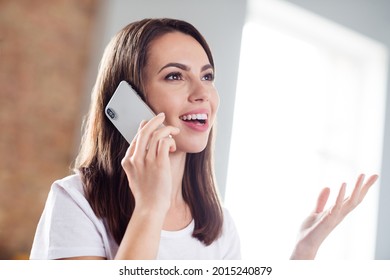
x: 371, y: 18
x: 220, y: 21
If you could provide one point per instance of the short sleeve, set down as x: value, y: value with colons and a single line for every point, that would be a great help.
x: 66, y: 228
x: 231, y: 238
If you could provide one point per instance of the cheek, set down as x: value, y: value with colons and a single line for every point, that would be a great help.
x: 156, y: 104
x: 162, y: 101
x: 169, y: 107
x: 153, y: 98
x: 215, y: 102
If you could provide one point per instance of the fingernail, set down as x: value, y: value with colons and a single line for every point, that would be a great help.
x: 161, y: 114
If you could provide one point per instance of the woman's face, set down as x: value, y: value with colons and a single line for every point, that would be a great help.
x: 179, y: 81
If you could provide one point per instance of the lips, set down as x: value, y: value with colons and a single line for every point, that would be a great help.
x: 196, y: 120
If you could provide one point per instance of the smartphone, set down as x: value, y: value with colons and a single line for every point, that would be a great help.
x: 126, y: 110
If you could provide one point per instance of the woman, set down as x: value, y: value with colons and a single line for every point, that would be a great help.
x: 156, y: 198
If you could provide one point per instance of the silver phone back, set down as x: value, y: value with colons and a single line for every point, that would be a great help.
x: 126, y: 110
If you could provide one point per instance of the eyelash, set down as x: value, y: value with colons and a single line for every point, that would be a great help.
x: 175, y: 76
x: 210, y: 77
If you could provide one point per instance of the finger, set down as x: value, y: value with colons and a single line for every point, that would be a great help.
x: 145, y: 132
x: 321, y: 200
x: 367, y: 186
x: 141, y: 125
x: 165, y: 146
x: 172, y: 148
x: 339, y: 200
x: 131, y: 149
x: 356, y: 191
x: 133, y: 143
x: 157, y: 137
x: 129, y: 152
x: 341, y: 195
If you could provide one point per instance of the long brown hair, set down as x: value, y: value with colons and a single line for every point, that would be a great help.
x: 102, y: 146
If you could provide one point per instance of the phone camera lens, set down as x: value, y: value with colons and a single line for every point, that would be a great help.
x: 111, y: 113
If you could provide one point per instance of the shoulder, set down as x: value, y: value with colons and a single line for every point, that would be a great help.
x: 228, y: 221
x: 230, y: 237
x: 70, y: 187
x: 67, y: 197
x: 68, y: 226
x: 70, y: 184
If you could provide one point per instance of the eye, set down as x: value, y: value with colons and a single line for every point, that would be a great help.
x: 208, y: 77
x: 174, y: 76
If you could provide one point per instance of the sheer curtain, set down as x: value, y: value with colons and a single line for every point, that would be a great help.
x: 309, y: 113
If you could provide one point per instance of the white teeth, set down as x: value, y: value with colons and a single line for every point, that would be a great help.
x: 202, y: 117
x: 194, y: 117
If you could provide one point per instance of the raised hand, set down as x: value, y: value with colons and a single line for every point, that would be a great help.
x: 148, y: 169
x: 321, y: 223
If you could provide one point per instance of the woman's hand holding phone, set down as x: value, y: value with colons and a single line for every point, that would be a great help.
x: 147, y: 164
x: 148, y: 169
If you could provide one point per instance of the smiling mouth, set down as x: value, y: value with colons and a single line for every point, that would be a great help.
x: 195, y: 118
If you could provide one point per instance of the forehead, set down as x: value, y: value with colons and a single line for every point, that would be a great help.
x: 176, y: 47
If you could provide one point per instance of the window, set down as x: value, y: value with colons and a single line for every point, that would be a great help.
x: 309, y: 113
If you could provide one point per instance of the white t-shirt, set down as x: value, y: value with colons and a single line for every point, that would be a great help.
x: 68, y: 227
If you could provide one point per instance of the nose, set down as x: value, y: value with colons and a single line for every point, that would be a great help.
x: 199, y: 92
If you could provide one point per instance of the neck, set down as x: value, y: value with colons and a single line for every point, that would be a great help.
x: 177, y: 166
x: 179, y: 215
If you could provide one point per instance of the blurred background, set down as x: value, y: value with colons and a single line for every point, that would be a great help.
x: 303, y: 88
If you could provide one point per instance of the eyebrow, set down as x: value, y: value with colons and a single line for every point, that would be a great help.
x: 185, y: 67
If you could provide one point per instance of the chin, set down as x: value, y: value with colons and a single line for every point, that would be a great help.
x: 193, y: 148
x: 196, y: 151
